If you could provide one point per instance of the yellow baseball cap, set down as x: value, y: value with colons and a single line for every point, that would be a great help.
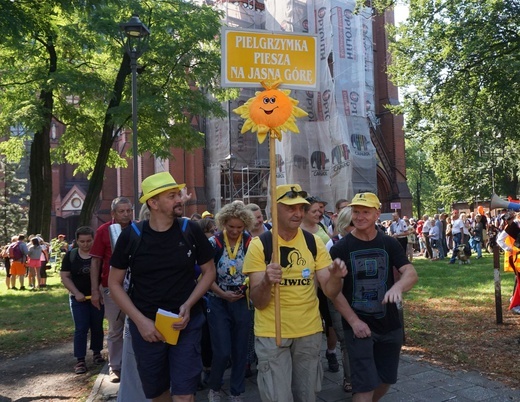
x: 369, y: 200
x: 290, y: 194
x: 207, y: 214
x: 156, y: 184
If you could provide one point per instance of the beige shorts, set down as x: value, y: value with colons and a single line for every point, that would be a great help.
x: 290, y: 372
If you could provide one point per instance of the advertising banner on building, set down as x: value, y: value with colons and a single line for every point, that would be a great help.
x: 333, y: 155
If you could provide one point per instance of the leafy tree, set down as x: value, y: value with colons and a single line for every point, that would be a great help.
x: 183, y: 56
x: 421, y: 179
x: 67, y: 60
x: 13, y: 206
x: 460, y: 63
x: 29, y: 60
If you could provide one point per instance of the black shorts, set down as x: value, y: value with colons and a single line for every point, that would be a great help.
x: 324, y: 310
x: 373, y: 360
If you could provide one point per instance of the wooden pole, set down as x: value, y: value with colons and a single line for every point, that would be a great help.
x: 274, y: 216
x: 498, y: 287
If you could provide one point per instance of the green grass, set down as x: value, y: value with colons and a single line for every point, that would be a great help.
x: 33, y: 319
x: 472, y: 283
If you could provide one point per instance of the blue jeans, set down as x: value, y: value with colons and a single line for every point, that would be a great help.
x: 229, y: 325
x: 86, y: 317
x: 457, y: 237
x: 477, y: 245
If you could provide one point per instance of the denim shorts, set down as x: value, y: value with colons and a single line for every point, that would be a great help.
x: 373, y: 360
x: 162, y: 366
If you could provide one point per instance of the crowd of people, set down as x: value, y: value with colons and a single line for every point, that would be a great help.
x: 222, y: 278
x: 26, y: 260
x: 220, y: 275
x: 239, y: 302
x: 436, y: 236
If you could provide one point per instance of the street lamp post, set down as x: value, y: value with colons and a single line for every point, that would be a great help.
x: 136, y: 34
x: 232, y: 162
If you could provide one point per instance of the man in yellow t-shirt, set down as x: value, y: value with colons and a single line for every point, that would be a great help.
x: 291, y: 372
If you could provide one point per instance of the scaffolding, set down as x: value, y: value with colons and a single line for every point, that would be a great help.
x: 248, y: 184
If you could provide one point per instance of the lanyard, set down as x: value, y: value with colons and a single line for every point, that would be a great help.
x: 232, y: 253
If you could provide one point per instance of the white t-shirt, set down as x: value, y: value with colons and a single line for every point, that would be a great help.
x: 457, y: 226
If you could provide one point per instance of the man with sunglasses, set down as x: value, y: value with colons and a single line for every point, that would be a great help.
x: 292, y: 372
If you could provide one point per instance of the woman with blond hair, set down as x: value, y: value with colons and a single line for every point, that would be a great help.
x: 228, y: 313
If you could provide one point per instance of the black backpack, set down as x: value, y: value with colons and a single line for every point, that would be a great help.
x: 267, y: 241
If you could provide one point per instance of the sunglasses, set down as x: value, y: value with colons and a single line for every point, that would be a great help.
x: 293, y: 194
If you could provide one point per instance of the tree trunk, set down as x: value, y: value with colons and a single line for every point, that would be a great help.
x: 40, y: 171
x: 107, y: 140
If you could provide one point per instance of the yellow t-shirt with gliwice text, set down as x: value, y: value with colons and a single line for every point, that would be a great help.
x: 300, y: 315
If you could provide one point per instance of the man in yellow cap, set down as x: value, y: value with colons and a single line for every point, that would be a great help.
x: 292, y: 371
x: 163, y: 276
x: 373, y: 330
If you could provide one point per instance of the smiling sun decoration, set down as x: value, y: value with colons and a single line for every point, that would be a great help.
x: 272, y: 110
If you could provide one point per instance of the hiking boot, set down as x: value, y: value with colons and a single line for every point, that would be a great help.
x: 333, y: 362
x: 213, y: 396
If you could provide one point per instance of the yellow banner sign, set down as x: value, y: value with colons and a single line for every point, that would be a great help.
x: 249, y: 57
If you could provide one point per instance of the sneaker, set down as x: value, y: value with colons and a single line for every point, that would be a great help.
x: 516, y: 310
x: 114, y: 375
x: 236, y: 398
x: 333, y: 362
x: 213, y: 396
x: 22, y: 287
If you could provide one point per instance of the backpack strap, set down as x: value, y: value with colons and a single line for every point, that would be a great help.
x: 246, y: 239
x: 131, y: 249
x: 311, y: 243
x: 135, y: 240
x: 73, y: 254
x: 186, y: 232
x: 219, y: 242
x: 267, y: 242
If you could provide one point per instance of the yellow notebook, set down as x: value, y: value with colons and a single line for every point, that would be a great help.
x: 163, y: 322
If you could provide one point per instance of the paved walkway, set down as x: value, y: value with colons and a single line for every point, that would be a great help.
x: 418, y: 381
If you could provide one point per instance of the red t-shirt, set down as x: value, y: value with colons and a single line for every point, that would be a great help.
x: 103, y: 250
